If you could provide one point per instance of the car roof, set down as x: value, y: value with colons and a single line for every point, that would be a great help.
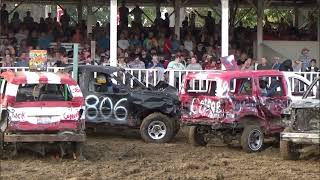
x: 26, y: 77
x: 231, y: 74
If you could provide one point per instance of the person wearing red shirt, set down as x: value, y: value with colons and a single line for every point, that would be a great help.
x: 167, y: 45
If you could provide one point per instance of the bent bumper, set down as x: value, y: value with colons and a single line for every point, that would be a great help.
x: 80, y: 137
x: 301, y: 138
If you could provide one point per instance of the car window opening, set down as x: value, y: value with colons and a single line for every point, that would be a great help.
x: 43, y: 92
x: 271, y: 86
x: 201, y: 87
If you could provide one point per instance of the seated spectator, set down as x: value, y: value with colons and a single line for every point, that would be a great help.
x: 276, y: 63
x: 176, y: 64
x: 77, y: 37
x: 167, y: 46
x: 194, y: 65
x: 313, y: 66
x: 263, y: 65
x: 175, y: 44
x: 122, y: 63
x: 188, y: 44
x: 145, y: 57
x: 150, y: 42
x: 209, y: 63
x: 22, y: 61
x: 286, y: 65
x: 44, y: 41
x: 136, y: 42
x: 200, y: 51
x: 155, y: 63
x: 103, y: 41
x: 123, y: 43
x: 297, y: 65
x: 247, y: 65
x: 8, y: 61
x: 137, y: 63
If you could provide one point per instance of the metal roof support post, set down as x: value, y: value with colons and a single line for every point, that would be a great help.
x: 319, y: 29
x: 224, y: 28
x: 89, y: 17
x: 113, y: 32
x: 260, y: 14
x: 79, y: 10
x: 75, y: 62
x: 177, y: 4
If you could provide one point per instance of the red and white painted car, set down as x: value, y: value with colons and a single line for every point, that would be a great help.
x: 242, y: 106
x: 41, y: 107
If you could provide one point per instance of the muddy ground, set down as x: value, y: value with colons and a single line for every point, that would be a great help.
x: 175, y: 160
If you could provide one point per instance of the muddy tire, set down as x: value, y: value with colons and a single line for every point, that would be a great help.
x: 252, y: 138
x: 78, y: 150
x: 287, y: 151
x: 176, y: 128
x: 157, y: 128
x: 195, y: 138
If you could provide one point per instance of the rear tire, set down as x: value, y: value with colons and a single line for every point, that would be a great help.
x: 157, y: 128
x: 287, y: 151
x: 176, y: 128
x: 252, y: 138
x: 195, y: 137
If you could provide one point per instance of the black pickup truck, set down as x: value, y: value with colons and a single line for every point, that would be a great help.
x: 114, y: 97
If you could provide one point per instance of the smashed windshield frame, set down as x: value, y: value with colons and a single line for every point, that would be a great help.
x: 313, y: 89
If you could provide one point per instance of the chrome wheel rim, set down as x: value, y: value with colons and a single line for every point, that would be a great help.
x: 255, y: 140
x: 157, y: 130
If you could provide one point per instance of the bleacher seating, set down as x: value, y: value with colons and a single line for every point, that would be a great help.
x: 67, y: 46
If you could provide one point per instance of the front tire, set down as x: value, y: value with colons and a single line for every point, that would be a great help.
x: 196, y: 137
x: 287, y: 151
x: 252, y: 139
x: 157, y: 128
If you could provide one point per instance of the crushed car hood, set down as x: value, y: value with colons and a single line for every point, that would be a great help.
x: 306, y: 103
x: 162, y: 97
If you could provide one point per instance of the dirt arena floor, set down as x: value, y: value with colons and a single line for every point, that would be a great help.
x: 175, y: 160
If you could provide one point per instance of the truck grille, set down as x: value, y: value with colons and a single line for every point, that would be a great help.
x: 307, y: 119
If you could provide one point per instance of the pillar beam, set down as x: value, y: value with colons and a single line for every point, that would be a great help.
x: 89, y: 17
x: 79, y: 11
x: 113, y: 32
x: 319, y: 30
x: 177, y: 4
x: 260, y: 14
x: 224, y: 28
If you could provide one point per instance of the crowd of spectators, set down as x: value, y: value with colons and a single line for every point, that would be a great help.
x: 142, y: 47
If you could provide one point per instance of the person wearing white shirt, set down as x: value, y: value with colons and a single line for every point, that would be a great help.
x: 123, y: 43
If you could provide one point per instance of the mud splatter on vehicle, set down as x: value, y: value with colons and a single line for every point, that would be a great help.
x: 241, y: 106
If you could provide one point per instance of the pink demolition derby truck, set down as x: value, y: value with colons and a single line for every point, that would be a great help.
x: 240, y: 106
x: 41, y: 108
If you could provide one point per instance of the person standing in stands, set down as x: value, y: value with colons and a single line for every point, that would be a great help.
x: 305, y: 59
x: 28, y: 21
x: 137, y: 14
x: 123, y: 14
x: 4, y: 16
x: 286, y: 65
x: 65, y: 20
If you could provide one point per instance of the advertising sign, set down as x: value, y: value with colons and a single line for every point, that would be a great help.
x: 38, y: 59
